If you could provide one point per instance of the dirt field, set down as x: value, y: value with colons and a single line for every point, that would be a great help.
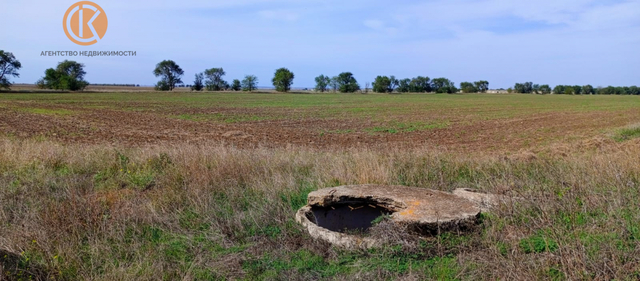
x: 463, y: 123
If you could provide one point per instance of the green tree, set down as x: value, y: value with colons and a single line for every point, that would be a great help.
x: 559, y: 89
x: 468, y: 87
x: 170, y: 74
x: 214, y: 79
x: 518, y: 88
x: 482, y: 86
x: 443, y: 85
x: 568, y: 90
x: 588, y: 90
x: 545, y: 89
x: 236, y: 86
x: 420, y: 85
x: 536, y: 89
x: 625, y: 91
x: 249, y: 83
x: 524, y: 88
x: 322, y: 83
x: 382, y: 84
x: 68, y: 75
x: 347, y: 83
x: 404, y: 85
x: 618, y: 90
x: 577, y: 90
x: 283, y: 79
x: 197, y: 83
x: 393, y: 83
x: 9, y: 66
x: 607, y: 91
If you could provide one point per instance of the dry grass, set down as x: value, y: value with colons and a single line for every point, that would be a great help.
x: 213, y: 212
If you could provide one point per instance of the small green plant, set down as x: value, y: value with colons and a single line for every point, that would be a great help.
x: 503, y: 248
x: 538, y: 243
x: 627, y: 134
x: 140, y: 178
x: 123, y: 160
x: 380, y: 219
x: 555, y: 274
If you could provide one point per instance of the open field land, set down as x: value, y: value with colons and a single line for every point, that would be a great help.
x: 204, y: 186
x: 463, y: 123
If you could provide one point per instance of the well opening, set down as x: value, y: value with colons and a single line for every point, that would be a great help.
x: 348, y: 217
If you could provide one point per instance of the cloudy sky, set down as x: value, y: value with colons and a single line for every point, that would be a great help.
x: 502, y: 41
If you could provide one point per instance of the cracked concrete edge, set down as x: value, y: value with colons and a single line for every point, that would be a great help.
x: 409, y: 204
x: 335, y: 238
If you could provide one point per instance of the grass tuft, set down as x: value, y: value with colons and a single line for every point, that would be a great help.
x: 627, y: 134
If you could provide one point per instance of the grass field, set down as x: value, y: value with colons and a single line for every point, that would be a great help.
x: 204, y: 186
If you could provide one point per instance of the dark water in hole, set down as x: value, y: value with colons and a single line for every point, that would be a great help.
x: 346, y: 218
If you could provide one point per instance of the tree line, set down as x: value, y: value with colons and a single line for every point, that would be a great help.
x: 212, y: 79
x: 69, y: 75
x: 343, y: 82
x: 420, y: 84
x: 171, y: 73
x: 116, y: 85
x: 530, y: 88
x: 424, y: 84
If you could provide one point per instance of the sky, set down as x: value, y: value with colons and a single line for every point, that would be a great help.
x: 552, y: 42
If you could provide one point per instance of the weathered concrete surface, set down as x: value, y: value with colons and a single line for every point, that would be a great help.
x: 423, y: 210
x: 411, y: 205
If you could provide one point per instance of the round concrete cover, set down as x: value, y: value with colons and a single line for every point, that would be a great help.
x: 412, y: 205
x: 421, y: 208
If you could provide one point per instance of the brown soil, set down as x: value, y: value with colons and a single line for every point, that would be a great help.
x: 159, y: 126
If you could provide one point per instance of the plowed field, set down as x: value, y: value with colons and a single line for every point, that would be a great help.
x: 464, y: 123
